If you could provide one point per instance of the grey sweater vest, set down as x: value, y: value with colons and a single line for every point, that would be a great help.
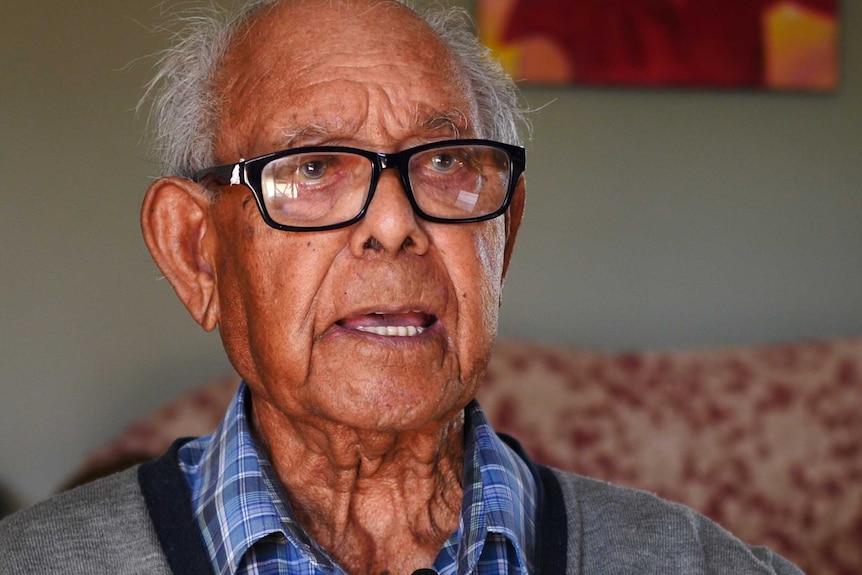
x: 139, y: 522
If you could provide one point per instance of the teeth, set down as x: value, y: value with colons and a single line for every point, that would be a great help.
x: 393, y: 330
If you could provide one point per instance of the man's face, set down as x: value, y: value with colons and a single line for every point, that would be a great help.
x: 295, y: 308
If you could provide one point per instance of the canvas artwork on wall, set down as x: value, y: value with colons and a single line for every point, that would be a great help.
x: 766, y: 44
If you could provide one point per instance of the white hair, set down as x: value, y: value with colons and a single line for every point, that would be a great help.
x: 185, y: 100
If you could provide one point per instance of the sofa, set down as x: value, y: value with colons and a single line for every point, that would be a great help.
x: 767, y: 441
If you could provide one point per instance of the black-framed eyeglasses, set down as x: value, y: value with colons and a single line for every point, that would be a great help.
x: 327, y: 187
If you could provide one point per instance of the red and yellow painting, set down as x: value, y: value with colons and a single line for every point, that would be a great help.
x: 770, y: 44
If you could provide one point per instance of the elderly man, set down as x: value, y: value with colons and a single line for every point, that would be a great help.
x: 342, y: 192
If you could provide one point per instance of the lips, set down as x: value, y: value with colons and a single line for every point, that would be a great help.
x: 390, y: 324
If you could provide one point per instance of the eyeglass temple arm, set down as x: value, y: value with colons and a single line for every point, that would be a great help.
x: 229, y: 172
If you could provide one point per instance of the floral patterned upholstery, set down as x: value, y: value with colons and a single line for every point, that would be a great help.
x: 767, y: 441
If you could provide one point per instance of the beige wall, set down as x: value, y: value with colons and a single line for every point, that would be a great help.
x: 655, y: 219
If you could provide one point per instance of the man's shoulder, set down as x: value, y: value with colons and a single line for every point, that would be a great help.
x: 623, y: 530
x: 100, y: 527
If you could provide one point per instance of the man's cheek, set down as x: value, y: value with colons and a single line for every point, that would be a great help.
x: 489, y: 241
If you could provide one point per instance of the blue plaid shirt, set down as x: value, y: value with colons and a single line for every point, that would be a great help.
x: 248, y: 526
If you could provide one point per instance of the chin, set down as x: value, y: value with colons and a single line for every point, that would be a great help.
x: 399, y: 403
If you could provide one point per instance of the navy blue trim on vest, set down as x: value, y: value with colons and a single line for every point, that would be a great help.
x: 552, y: 537
x: 169, y: 502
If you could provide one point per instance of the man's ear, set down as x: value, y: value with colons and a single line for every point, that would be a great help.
x: 177, y: 230
x: 513, y: 221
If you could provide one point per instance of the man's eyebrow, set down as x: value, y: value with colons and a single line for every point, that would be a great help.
x: 301, y: 135
x: 454, y: 120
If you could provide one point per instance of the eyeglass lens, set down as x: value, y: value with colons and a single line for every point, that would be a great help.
x: 315, y: 189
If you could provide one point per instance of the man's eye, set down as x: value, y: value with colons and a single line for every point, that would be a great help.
x: 313, y: 169
x: 444, y: 162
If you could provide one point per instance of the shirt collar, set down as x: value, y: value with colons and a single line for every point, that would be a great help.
x: 499, y: 499
x: 236, y: 497
x: 238, y: 501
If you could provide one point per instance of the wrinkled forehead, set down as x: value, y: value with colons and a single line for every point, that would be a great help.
x: 345, y: 65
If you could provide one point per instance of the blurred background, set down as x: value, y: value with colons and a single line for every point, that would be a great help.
x: 655, y: 219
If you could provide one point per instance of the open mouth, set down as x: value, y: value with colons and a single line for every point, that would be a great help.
x: 404, y: 324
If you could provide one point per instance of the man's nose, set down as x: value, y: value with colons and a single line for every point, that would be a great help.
x: 390, y: 225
